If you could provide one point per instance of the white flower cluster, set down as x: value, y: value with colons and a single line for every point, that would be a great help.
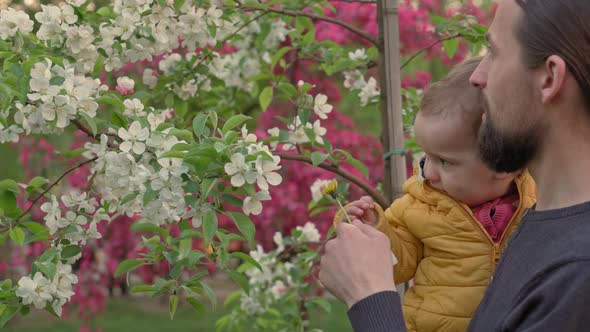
x: 57, y: 95
x: 369, y: 90
x: 270, y: 284
x: 261, y: 170
x: 13, y: 21
x: 79, y: 222
x: 125, y: 177
x: 40, y: 291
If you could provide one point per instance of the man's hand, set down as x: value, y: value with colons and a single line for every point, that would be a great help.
x: 363, y: 210
x: 357, y: 263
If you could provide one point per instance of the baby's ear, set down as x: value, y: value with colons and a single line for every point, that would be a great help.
x: 506, y: 175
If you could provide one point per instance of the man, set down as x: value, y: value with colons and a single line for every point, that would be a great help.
x: 536, y: 81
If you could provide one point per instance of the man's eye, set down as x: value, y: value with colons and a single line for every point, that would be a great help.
x: 443, y: 162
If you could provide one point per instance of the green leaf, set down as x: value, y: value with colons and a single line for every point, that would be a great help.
x: 48, y: 268
x: 9, y: 185
x: 173, y: 305
x: 199, y: 123
x: 279, y: 55
x: 233, y: 122
x: 232, y: 298
x: 90, y: 121
x: 140, y: 226
x: 360, y: 166
x: 129, y: 198
x: 231, y: 199
x: 206, y: 187
x: 183, y: 134
x: 209, y: 226
x: 184, y: 247
x: 142, y: 289
x: 8, y: 202
x: 172, y: 154
x: 245, y: 225
x: 318, y: 158
x: 7, y: 314
x: 48, y: 255
x: 197, y: 305
x: 451, y: 46
x: 210, y: 294
x: 57, y: 80
x: 247, y: 259
x: 70, y: 251
x: 128, y: 265
x: 37, y: 182
x: 322, y: 303
x: 265, y: 97
x: 17, y: 235
x: 113, y: 100
x: 240, y: 280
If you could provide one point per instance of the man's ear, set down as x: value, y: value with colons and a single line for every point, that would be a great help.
x: 552, y: 78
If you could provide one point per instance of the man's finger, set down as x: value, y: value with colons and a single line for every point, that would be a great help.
x: 368, y: 230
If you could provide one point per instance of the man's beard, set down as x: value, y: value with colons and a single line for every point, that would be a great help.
x: 507, y: 153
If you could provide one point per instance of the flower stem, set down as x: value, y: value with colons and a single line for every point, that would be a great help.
x: 344, y: 211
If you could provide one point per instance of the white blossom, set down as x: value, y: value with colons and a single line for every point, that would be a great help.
x: 309, y: 232
x: 126, y: 83
x: 239, y: 171
x: 369, y: 91
x: 133, y: 138
x: 62, y: 108
x: 167, y: 64
x: 36, y: 291
x: 10, y: 134
x: 13, y: 21
x: 274, y: 132
x: 149, y: 78
x: 354, y: 80
x: 316, y: 189
x: 171, y: 167
x: 358, y: 55
x: 278, y: 240
x: 266, y: 172
x: 133, y: 107
x: 278, y: 289
x: 79, y: 38
x: 321, y: 107
x: 253, y: 205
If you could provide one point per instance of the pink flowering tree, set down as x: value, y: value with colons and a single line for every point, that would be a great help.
x: 184, y: 127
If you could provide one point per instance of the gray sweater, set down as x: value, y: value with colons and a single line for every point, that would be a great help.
x: 542, y: 282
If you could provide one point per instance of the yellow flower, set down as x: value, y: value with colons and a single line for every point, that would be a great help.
x: 210, y: 249
x: 330, y: 188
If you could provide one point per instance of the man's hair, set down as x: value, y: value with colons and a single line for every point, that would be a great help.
x: 455, y: 96
x: 557, y: 27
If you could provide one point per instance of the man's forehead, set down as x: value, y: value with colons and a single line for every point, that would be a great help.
x: 503, y: 24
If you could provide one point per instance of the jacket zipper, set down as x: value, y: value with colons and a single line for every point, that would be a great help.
x: 496, y: 247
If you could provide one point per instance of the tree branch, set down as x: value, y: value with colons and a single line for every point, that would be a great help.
x: 376, y: 195
x: 54, y: 184
x: 436, y: 42
x: 294, y: 13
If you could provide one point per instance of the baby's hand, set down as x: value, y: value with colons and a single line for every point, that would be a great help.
x: 363, y: 210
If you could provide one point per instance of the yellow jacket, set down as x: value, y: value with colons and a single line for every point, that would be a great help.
x: 451, y: 257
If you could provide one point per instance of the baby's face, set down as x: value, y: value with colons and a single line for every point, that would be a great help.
x: 452, y: 163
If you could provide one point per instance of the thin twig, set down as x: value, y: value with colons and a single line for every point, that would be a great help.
x: 232, y: 35
x: 436, y: 42
x: 54, y: 184
x: 376, y: 195
x: 332, y: 20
